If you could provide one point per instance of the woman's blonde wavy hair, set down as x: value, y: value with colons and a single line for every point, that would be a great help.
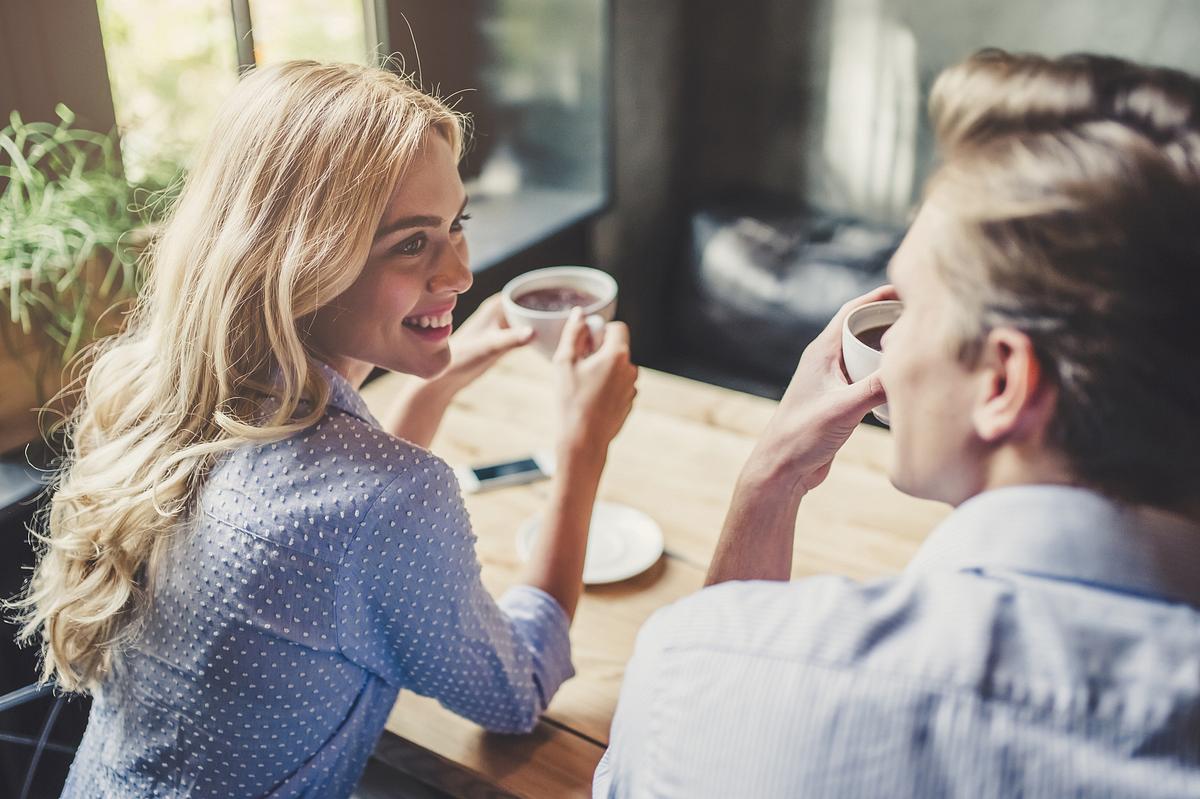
x: 275, y: 221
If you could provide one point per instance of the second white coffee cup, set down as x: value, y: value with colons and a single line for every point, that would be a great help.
x: 548, y: 324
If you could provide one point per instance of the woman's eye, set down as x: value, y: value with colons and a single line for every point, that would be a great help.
x: 410, y: 246
x: 458, y: 223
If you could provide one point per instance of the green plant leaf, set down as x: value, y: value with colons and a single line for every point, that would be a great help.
x: 65, y: 203
x: 64, y: 113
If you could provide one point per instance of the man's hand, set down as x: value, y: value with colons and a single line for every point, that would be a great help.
x: 820, y: 408
x: 818, y: 412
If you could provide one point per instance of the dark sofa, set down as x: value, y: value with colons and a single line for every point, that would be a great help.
x: 760, y: 282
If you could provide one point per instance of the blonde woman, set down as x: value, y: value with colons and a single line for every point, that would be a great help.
x: 240, y: 563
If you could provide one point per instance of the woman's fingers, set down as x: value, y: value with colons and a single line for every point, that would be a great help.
x: 616, y: 337
x: 575, y: 341
x: 490, y: 313
x: 503, y: 340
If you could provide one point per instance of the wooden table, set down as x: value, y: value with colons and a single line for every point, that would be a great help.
x: 676, y: 460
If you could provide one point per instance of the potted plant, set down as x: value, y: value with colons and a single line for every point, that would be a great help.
x: 70, y: 231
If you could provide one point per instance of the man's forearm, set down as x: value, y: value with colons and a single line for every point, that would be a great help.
x: 756, y: 541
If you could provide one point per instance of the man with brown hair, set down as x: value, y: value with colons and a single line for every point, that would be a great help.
x: 1045, y: 641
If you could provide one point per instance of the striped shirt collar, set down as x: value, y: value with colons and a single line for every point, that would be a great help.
x: 1071, y: 534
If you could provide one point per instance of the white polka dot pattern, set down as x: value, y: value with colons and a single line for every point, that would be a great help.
x: 318, y: 576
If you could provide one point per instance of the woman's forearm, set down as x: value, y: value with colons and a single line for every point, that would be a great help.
x: 418, y: 411
x: 556, y: 564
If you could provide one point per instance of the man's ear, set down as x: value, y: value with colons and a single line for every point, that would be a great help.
x: 1015, y: 399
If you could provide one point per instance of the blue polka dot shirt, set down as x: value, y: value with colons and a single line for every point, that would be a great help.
x: 317, y: 577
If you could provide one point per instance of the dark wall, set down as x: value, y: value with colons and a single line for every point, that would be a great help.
x: 821, y: 102
x: 744, y: 96
x: 51, y: 53
x: 444, y: 57
x: 825, y: 100
x: 638, y: 240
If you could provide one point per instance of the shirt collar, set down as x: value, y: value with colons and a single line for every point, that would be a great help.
x: 1072, y: 534
x: 344, y: 397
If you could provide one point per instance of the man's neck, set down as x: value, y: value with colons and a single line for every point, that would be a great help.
x: 1013, y: 466
x: 1016, y: 465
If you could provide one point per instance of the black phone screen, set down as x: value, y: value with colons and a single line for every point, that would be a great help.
x: 485, y: 473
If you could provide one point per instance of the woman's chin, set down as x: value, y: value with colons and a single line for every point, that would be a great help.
x: 429, y: 367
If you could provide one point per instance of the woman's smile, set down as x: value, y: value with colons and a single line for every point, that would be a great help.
x: 432, y: 325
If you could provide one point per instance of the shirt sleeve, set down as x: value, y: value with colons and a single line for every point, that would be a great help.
x: 413, y: 610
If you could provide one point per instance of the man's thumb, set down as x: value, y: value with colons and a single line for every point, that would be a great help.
x: 869, y: 392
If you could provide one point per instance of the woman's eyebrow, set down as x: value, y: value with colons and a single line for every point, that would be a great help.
x: 417, y: 220
x: 405, y: 222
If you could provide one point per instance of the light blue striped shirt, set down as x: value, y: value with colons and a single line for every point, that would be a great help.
x: 1045, y: 642
x: 317, y: 577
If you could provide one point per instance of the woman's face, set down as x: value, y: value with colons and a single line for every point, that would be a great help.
x: 397, y: 313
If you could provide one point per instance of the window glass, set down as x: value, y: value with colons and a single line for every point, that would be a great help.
x: 170, y: 63
x: 323, y: 30
x: 541, y: 115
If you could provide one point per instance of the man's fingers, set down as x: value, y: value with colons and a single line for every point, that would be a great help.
x: 868, y: 392
x: 834, y: 329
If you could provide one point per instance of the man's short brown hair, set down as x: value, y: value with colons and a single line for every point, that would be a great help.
x: 1073, y: 186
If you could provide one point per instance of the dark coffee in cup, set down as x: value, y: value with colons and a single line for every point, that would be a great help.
x: 555, y: 298
x: 873, y: 336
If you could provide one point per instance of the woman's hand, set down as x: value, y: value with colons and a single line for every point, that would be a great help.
x: 820, y: 408
x: 479, y: 343
x: 596, y: 390
x: 596, y: 385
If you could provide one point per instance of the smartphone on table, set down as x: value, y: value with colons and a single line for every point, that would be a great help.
x: 486, y: 477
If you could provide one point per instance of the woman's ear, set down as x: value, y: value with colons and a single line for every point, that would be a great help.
x: 1015, y: 400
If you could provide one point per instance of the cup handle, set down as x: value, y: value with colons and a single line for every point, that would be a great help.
x: 596, y: 324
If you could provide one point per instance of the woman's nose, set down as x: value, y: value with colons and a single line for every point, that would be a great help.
x: 454, y: 273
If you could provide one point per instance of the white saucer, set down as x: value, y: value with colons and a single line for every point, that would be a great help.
x: 622, y: 543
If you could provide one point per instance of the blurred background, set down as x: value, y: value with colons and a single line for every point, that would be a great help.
x: 741, y: 168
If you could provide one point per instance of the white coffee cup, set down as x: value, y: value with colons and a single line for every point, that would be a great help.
x: 860, y: 359
x: 548, y: 325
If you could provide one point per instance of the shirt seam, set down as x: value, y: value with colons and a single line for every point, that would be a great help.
x: 265, y: 539
x: 337, y: 578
